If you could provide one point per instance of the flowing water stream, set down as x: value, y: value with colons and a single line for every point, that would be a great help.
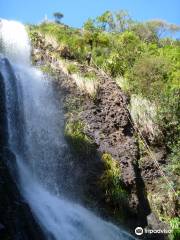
x: 35, y: 129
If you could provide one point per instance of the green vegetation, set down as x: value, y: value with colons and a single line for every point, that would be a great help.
x: 145, y: 63
x: 111, y: 180
x: 66, y: 37
x: 165, y: 209
x: 175, y: 226
x: 89, y: 75
x: 72, y: 68
x: 47, y: 70
x: 75, y: 134
x: 112, y: 186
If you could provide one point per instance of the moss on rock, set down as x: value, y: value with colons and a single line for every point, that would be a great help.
x: 111, y: 180
x: 112, y: 187
x: 75, y: 134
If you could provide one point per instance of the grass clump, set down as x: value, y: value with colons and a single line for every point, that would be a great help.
x: 175, y: 227
x: 111, y: 182
x: 72, y: 68
x: 88, y: 85
x: 89, y: 75
x: 47, y: 70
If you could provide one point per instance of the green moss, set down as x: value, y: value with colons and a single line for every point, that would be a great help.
x: 75, y: 134
x: 111, y: 183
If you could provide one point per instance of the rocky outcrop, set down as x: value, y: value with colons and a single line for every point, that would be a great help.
x: 16, y: 219
x: 150, y: 170
x: 108, y: 124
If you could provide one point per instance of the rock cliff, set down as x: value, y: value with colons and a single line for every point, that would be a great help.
x: 106, y: 122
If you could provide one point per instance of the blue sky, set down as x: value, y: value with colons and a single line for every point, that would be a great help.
x: 77, y: 11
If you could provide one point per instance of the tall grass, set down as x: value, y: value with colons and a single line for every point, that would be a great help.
x: 144, y: 115
x: 88, y: 85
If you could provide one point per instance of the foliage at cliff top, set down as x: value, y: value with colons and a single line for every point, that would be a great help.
x: 139, y: 53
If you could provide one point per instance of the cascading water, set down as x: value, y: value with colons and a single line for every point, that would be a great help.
x: 35, y: 124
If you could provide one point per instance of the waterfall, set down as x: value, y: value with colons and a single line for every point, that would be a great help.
x: 35, y: 129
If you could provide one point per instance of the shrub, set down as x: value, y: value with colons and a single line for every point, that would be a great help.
x: 125, y: 49
x: 168, y: 118
x: 148, y: 75
x: 174, y: 165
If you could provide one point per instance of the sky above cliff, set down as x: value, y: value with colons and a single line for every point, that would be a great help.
x: 77, y: 11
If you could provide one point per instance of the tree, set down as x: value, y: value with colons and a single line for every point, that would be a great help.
x: 152, y: 31
x: 89, y: 25
x: 90, y: 32
x: 106, y: 21
x: 122, y: 21
x: 149, y: 76
x: 161, y: 27
x: 58, y: 16
x: 145, y: 32
x: 126, y: 48
x: 118, y: 21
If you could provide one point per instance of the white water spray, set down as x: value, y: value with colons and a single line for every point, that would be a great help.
x: 14, y: 41
x: 40, y: 147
